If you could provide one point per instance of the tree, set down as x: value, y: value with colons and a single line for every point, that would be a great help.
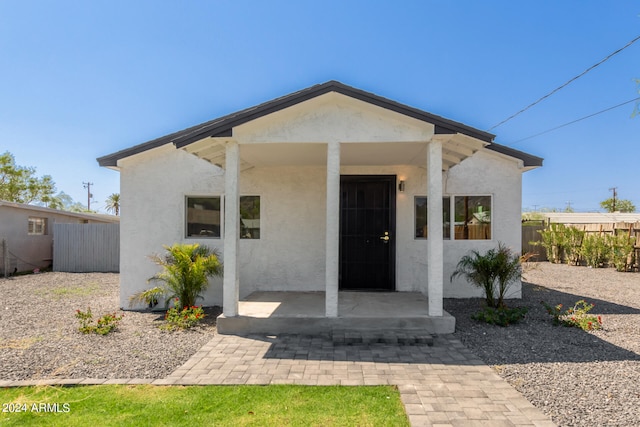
x: 20, y: 185
x: 113, y: 203
x: 63, y: 201
x: 618, y: 205
x: 68, y: 204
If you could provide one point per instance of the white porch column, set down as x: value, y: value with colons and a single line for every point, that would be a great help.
x: 332, y: 247
x: 230, y: 282
x: 435, y: 260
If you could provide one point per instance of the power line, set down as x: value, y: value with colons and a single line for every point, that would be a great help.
x: 577, y: 120
x: 567, y: 83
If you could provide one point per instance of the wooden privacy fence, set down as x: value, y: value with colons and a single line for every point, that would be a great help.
x: 530, y: 234
x: 631, y: 228
x: 84, y: 248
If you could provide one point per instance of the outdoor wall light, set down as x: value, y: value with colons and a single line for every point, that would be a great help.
x: 401, y: 186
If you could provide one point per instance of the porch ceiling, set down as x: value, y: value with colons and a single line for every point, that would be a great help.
x: 455, y: 148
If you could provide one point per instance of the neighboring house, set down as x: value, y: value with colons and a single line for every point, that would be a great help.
x: 325, y: 190
x: 28, y: 232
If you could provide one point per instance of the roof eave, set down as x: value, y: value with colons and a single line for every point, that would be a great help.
x: 223, y: 126
x: 529, y: 161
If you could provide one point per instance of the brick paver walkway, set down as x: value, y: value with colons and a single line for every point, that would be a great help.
x: 440, y: 385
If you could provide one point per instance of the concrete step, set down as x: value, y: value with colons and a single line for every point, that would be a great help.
x: 373, y: 327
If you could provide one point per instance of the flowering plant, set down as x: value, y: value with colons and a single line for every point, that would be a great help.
x: 185, y: 318
x: 575, y: 316
x: 106, y: 324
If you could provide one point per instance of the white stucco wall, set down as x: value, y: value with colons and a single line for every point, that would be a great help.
x: 486, y: 173
x: 333, y: 117
x: 290, y: 253
x: 153, y: 187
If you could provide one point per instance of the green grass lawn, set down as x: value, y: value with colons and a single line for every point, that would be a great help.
x: 145, y: 405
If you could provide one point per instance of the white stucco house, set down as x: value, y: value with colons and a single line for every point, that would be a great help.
x: 327, y: 204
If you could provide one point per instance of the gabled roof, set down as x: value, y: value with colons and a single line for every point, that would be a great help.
x: 223, y: 126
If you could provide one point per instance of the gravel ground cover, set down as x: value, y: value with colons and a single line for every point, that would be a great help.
x: 577, y: 378
x: 39, y: 336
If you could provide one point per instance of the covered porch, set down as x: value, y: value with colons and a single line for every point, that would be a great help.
x: 341, y: 133
x: 304, y: 313
x: 323, y: 311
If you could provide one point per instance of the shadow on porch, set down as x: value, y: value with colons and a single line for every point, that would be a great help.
x: 363, y: 312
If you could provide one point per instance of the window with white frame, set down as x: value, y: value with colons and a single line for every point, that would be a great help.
x: 472, y: 217
x: 203, y: 217
x: 37, y: 226
x: 420, y: 203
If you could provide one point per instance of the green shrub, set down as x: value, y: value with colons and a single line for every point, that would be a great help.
x: 562, y: 243
x: 502, y: 316
x: 573, y: 238
x: 595, y: 250
x: 621, y: 250
x: 105, y: 325
x: 553, y: 241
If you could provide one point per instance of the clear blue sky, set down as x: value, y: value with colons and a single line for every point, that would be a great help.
x: 82, y: 79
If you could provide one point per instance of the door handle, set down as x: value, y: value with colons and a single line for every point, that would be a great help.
x: 385, y: 238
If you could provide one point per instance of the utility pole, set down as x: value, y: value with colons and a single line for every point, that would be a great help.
x: 88, y: 185
x: 568, y: 208
x: 613, y: 207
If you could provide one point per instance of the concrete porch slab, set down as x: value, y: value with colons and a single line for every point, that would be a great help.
x: 304, y: 313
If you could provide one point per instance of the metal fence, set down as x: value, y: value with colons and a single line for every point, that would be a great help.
x: 83, y: 248
x: 8, y: 264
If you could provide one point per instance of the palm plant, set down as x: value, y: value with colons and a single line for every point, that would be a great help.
x: 113, y: 204
x: 508, y: 270
x: 184, y: 275
x: 480, y: 270
x: 499, y: 267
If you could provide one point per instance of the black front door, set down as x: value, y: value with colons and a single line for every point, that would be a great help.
x: 367, y: 232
